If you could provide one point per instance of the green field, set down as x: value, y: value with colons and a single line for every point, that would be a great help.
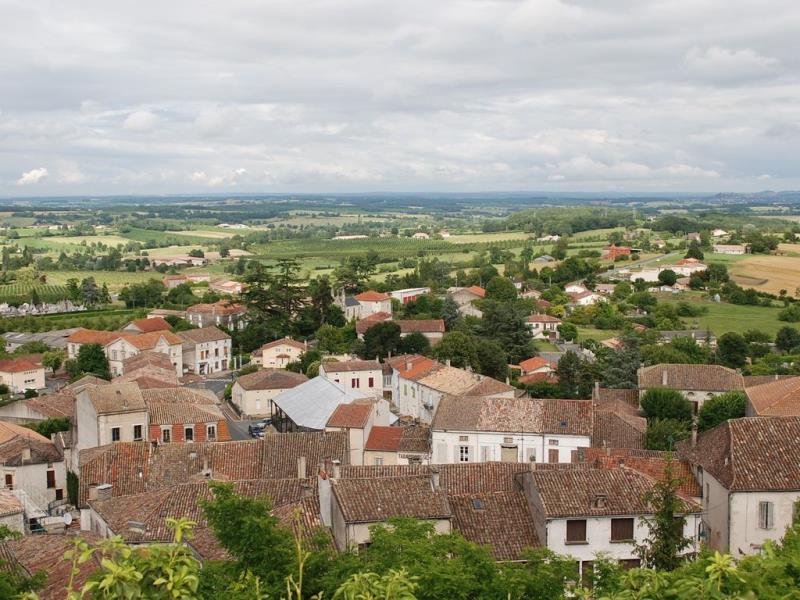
x: 161, y: 237
x: 723, y: 317
x: 585, y: 333
x: 473, y: 238
x: 18, y: 293
x: 115, y: 280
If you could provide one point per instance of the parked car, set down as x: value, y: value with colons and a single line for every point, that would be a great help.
x: 257, y: 429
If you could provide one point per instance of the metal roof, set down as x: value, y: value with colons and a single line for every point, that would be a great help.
x: 312, y: 403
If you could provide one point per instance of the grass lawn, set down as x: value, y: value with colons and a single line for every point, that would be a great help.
x: 723, y: 317
x: 544, y: 346
x: 584, y: 333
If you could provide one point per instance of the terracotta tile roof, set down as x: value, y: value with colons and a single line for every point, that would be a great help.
x: 462, y: 478
x: 777, y: 398
x: 164, y: 413
x: 15, y: 439
x: 351, y: 365
x: 353, y: 415
x: 287, y: 341
x: 414, y: 366
x: 146, y: 341
x: 18, y: 365
x: 540, y: 318
x: 567, y: 417
x: 612, y: 395
x: 115, y: 398
x: 86, y: 380
x: 204, y: 334
x: 714, y: 378
x: 463, y: 413
x: 549, y: 376
x: 477, y: 290
x: 32, y: 555
x: 89, y: 336
x: 58, y: 405
x: 421, y: 325
x: 490, y: 387
x: 754, y: 380
x: 151, y: 324
x: 414, y: 439
x: 151, y: 509
x: 372, y: 296
x: 222, y: 307
x: 536, y: 362
x: 618, y: 425
x: 147, y: 360
x: 449, y: 380
x: 364, y: 324
x: 9, y: 503
x: 750, y: 454
x: 500, y: 520
x: 378, y: 499
x: 271, y: 379
x: 138, y: 467
x: 573, y: 492
x: 649, y: 462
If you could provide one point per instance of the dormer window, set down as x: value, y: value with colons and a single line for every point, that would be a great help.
x: 599, y: 501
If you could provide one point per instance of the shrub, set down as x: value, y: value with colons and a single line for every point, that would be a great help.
x: 663, y: 403
x: 730, y: 405
x: 791, y: 313
x: 663, y: 434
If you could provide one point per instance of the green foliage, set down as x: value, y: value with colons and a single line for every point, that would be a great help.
x: 665, y: 542
x: 720, y: 408
x: 575, y: 375
x: 568, y: 331
x: 664, y: 403
x: 667, y: 277
x: 246, y: 528
x: 381, y: 340
x: 505, y: 322
x: 663, y: 434
x: 73, y: 486
x: 787, y: 339
x: 732, y: 349
x: 91, y: 360
x: 53, y: 359
x: 501, y: 289
x: 147, y: 294
x: 50, y: 426
x: 791, y: 313
x: 492, y: 359
x: 394, y: 585
x: 450, y: 313
x: 247, y: 369
x: 415, y: 343
x: 459, y: 348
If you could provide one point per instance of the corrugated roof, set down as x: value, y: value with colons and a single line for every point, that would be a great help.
x: 312, y: 403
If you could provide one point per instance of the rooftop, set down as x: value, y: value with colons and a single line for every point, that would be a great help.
x: 354, y: 415
x: 372, y: 296
x: 150, y: 324
x: 779, y: 397
x: 115, y: 398
x: 271, y: 379
x: 16, y: 440
x: 715, y: 378
x: 204, y: 334
x: 413, y: 439
x: 221, y: 307
x: 287, y: 341
x: 351, y: 365
x: 18, y: 365
x: 311, y: 403
x: 378, y: 499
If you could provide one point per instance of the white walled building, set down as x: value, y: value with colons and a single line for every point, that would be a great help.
x: 278, y: 354
x: 21, y: 374
x: 474, y: 429
x: 109, y: 413
x: 364, y: 304
x: 748, y: 472
x: 121, y: 345
x: 363, y: 376
x: 253, y: 393
x: 697, y: 383
x: 543, y: 326
x: 585, y: 512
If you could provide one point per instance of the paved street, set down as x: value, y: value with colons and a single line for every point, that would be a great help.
x: 238, y: 429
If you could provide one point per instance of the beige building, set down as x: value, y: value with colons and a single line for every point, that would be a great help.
x: 107, y: 414
x: 697, y: 383
x: 253, y: 393
x: 364, y: 376
x: 278, y: 354
x: 465, y: 296
x: 119, y: 346
x: 407, y: 445
x: 206, y: 350
x: 21, y: 374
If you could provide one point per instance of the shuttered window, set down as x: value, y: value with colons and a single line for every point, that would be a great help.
x: 51, y: 479
x: 766, y: 515
x: 576, y: 531
x: 621, y: 530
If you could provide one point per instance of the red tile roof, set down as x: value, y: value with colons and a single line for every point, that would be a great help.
x: 477, y: 290
x: 715, y: 378
x: 378, y: 499
x: 18, y: 365
x: 221, y: 307
x: 351, y: 365
x: 364, y: 324
x: 536, y: 362
x: 287, y: 341
x: 779, y: 397
x: 421, y: 325
x: 353, y: 415
x: 151, y: 324
x: 372, y: 296
x: 271, y: 379
x: 384, y: 438
x: 541, y: 318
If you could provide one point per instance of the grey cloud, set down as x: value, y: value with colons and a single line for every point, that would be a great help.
x: 359, y: 95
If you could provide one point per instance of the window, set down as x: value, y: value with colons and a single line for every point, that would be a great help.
x: 553, y: 442
x: 463, y: 438
x: 621, y: 530
x: 463, y: 454
x: 137, y: 433
x: 766, y: 515
x: 211, y: 432
x: 378, y: 461
x: 165, y: 436
x: 188, y: 434
x: 59, y: 494
x: 355, y: 383
x: 51, y: 479
x: 371, y: 382
x: 115, y: 434
x: 576, y: 531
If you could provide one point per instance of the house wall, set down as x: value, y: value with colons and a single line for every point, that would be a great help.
x: 598, y: 538
x: 19, y: 412
x: 15, y: 522
x: 20, y: 381
x: 746, y: 536
x: 487, y: 446
x: 358, y: 381
x: 254, y: 403
x: 177, y: 432
x: 716, y: 511
x: 125, y: 421
x: 84, y: 423
x: 269, y: 357
x: 414, y: 399
x: 204, y: 358
x: 32, y: 477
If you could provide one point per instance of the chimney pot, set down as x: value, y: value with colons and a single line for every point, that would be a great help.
x: 408, y: 365
x: 337, y: 469
x: 435, y: 479
x: 301, y: 467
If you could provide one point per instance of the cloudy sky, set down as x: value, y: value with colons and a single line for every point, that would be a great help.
x: 185, y: 96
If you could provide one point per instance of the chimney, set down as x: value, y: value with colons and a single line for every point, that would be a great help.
x: 596, y: 390
x: 408, y: 365
x: 435, y: 479
x: 447, y: 362
x: 301, y: 467
x: 26, y: 454
x: 306, y: 490
x: 93, y: 491
x: 337, y: 469
x: 104, y: 491
x: 324, y: 491
x: 664, y: 377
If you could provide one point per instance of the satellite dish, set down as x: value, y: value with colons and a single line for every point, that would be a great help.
x: 67, y: 519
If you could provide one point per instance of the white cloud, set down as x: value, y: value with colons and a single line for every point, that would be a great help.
x: 33, y: 176
x: 140, y: 121
x: 722, y: 63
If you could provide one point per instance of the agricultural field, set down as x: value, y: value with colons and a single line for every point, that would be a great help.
x: 214, y: 234
x: 115, y: 280
x: 585, y: 333
x: 767, y: 273
x: 18, y: 293
x: 159, y: 237
x: 473, y: 238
